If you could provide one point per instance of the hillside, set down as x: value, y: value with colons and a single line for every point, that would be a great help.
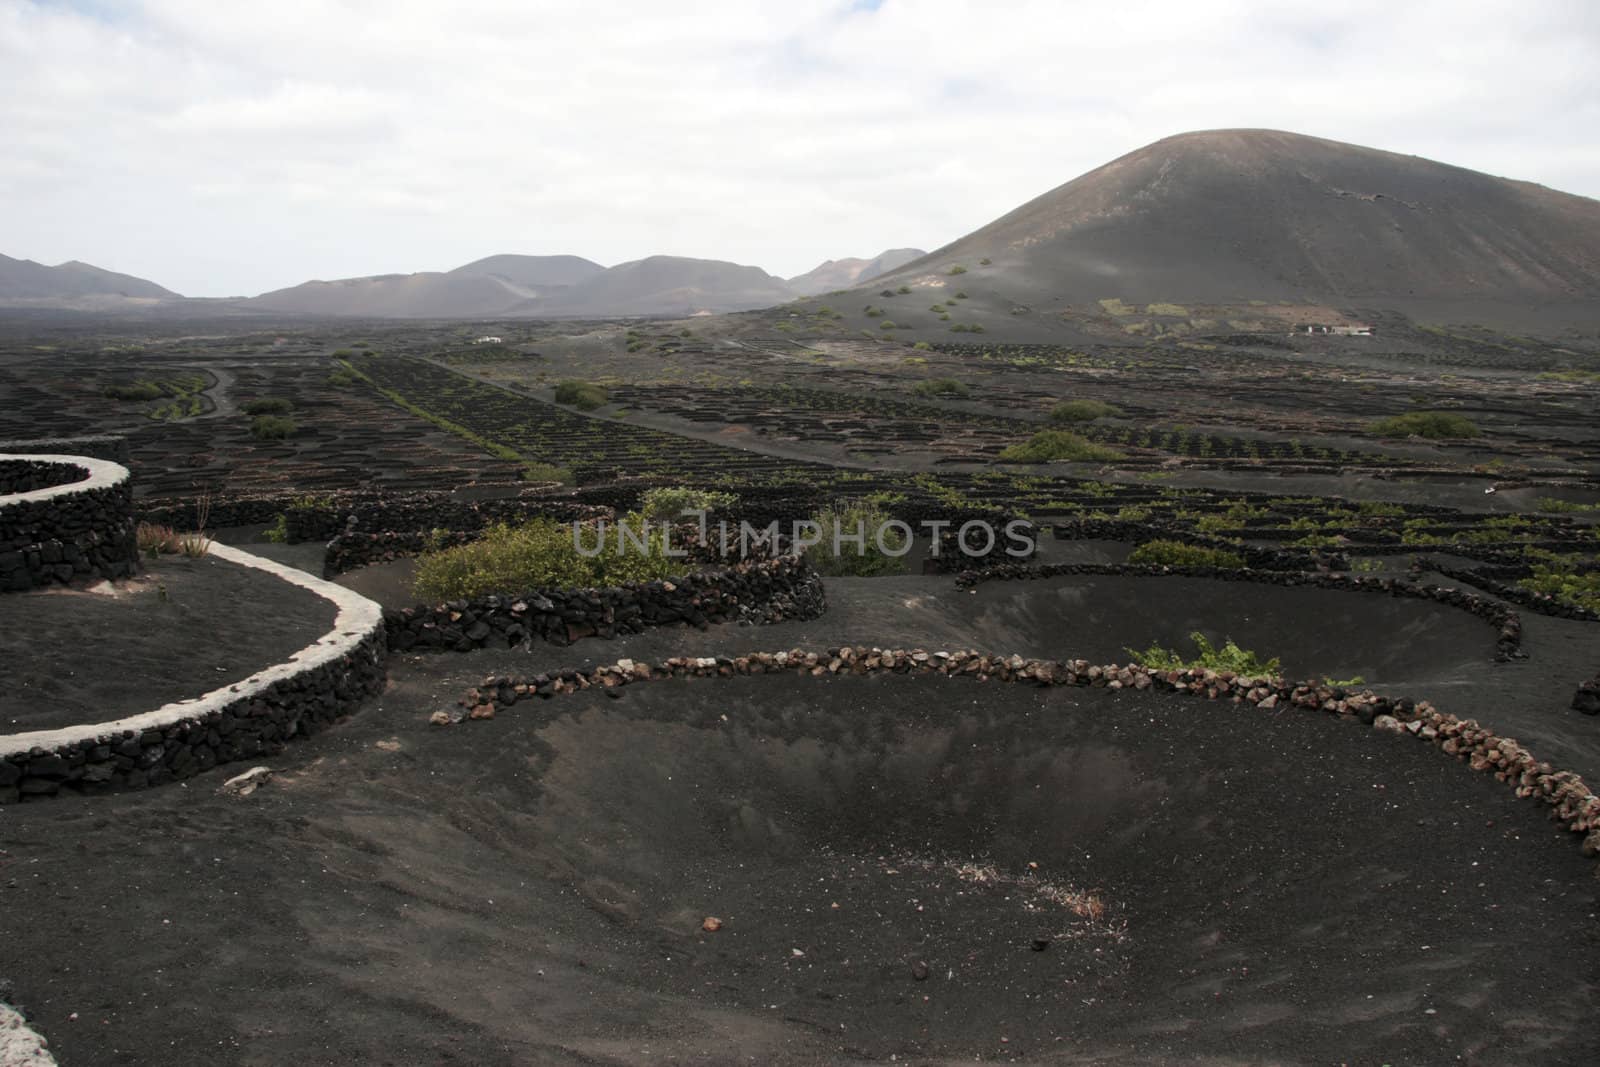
x: 534, y: 272
x: 424, y: 295
x: 1229, y: 216
x: 666, y: 285
x: 844, y: 273
x: 23, y: 279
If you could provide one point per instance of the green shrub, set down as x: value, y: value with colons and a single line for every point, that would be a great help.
x: 922, y: 346
x: 1230, y: 657
x: 545, y: 472
x: 886, y: 324
x: 341, y: 379
x: 278, y: 532
x: 1565, y: 586
x: 1550, y: 503
x: 957, y: 269
x: 1430, y: 424
x: 940, y: 387
x: 271, y: 427
x: 985, y: 261
x: 903, y: 290
x: 670, y: 503
x: 267, y: 406
x: 539, y: 554
x: 194, y: 545
x: 1048, y: 446
x: 140, y: 390
x: 582, y: 395
x: 1179, y: 554
x: 1072, y: 411
x: 870, y: 561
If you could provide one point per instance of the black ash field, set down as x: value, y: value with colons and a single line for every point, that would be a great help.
x: 642, y: 836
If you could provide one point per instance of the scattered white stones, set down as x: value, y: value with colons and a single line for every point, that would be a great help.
x: 242, y: 785
x: 20, y: 1046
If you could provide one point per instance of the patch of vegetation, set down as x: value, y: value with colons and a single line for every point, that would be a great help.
x: 342, y: 379
x: 1074, y: 411
x: 1049, y: 446
x: 1163, y: 553
x: 669, y: 503
x: 140, y: 390
x: 271, y: 427
x: 1550, y: 503
x: 541, y: 554
x: 1565, y: 586
x: 867, y: 560
x: 194, y: 545
x: 278, y: 532
x: 1438, y: 425
x: 545, y: 472
x: 941, y: 387
x: 267, y: 406
x: 957, y: 269
x: 582, y: 395
x: 1114, y: 306
x: 1172, y: 310
x: 154, y: 540
x: 1344, y: 683
x: 1230, y: 657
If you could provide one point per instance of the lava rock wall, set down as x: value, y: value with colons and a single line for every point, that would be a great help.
x: 64, y: 519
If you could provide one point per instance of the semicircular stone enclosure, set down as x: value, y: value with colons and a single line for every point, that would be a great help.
x: 64, y: 519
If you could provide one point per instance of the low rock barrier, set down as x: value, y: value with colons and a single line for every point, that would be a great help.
x: 1508, y: 642
x: 252, y: 718
x: 63, y: 519
x: 1568, y: 798
x: 757, y: 592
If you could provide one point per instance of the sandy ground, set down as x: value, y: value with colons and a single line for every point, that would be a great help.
x: 1280, y: 887
x: 181, y: 628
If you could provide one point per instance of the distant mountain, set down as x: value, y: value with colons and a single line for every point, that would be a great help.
x: 23, y: 279
x: 401, y: 296
x: 666, y: 285
x: 535, y: 272
x: 845, y: 273
x: 534, y: 286
x: 1224, y: 216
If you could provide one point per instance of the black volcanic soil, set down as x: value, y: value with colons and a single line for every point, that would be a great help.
x: 81, y: 656
x: 1281, y: 887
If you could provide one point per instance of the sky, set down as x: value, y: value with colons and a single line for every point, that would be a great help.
x: 230, y: 147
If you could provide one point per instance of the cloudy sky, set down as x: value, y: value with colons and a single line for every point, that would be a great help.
x: 224, y: 147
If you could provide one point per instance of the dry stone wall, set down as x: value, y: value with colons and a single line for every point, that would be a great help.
x: 64, y: 519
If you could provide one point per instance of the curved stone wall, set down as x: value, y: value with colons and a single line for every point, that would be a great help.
x: 1569, y: 800
x: 252, y: 718
x: 64, y: 518
x: 756, y: 592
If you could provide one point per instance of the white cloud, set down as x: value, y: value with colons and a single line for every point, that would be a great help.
x: 232, y: 148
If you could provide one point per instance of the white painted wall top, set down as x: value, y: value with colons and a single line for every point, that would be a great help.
x: 357, y: 618
x: 102, y: 473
